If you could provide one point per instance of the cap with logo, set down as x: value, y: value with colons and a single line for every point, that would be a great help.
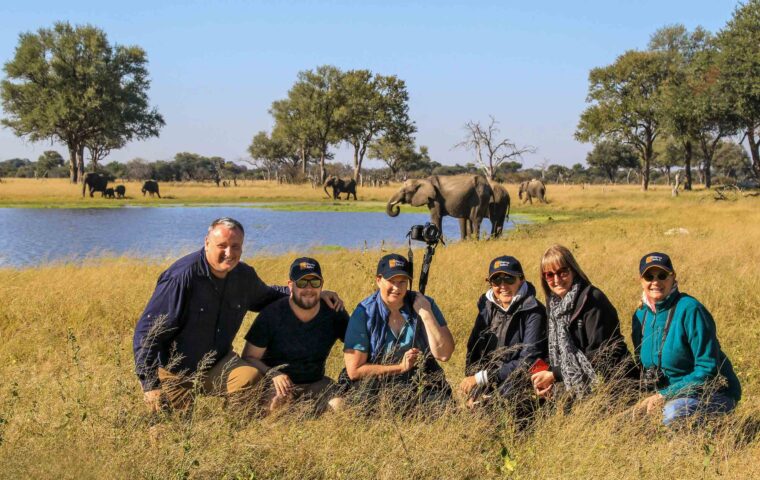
x: 394, y: 264
x: 655, y: 259
x: 304, y: 266
x: 505, y: 264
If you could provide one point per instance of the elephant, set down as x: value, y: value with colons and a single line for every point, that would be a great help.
x: 120, y: 190
x: 532, y: 189
x: 464, y: 197
x: 109, y: 193
x: 96, y: 182
x: 498, y: 208
x: 150, y: 186
x: 339, y: 186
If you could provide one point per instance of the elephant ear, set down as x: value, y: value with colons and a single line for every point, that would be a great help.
x: 424, y: 194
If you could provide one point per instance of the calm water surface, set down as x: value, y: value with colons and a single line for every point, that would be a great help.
x: 34, y: 236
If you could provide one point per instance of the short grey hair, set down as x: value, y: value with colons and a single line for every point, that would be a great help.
x: 228, y: 222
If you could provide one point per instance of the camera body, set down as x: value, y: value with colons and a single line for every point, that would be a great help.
x: 652, y: 378
x: 427, y: 233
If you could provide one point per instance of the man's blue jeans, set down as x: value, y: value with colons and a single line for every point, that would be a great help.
x: 686, y: 406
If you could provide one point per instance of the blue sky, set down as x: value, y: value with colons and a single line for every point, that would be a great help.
x: 217, y: 66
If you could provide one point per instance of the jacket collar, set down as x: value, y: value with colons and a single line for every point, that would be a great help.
x: 525, y: 301
x: 580, y: 302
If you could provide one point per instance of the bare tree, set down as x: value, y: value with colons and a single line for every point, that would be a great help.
x: 490, y: 151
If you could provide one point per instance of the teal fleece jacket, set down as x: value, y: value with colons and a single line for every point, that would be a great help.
x: 691, y: 356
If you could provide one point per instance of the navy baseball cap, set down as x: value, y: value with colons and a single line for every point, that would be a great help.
x: 394, y: 264
x: 505, y: 264
x: 655, y: 259
x: 304, y: 266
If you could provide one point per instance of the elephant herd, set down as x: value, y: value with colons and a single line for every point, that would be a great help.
x: 469, y: 198
x: 97, y: 182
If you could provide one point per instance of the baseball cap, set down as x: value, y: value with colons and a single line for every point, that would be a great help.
x: 655, y: 259
x: 505, y: 264
x: 304, y: 266
x: 394, y: 264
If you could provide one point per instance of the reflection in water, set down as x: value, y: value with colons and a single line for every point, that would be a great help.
x: 35, y: 236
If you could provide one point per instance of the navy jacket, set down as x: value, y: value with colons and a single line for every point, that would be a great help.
x: 503, y: 342
x: 193, y: 318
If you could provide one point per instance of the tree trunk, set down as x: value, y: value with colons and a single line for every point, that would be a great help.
x: 322, y: 172
x: 80, y: 162
x: 754, y: 150
x: 687, y: 165
x: 73, y: 171
x: 303, y: 160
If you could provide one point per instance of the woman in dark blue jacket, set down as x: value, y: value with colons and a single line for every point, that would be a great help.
x: 509, y: 334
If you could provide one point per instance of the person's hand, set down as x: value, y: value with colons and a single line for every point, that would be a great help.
x: 545, y: 392
x: 409, y: 359
x: 542, y: 382
x: 152, y: 399
x: 421, y: 303
x: 468, y: 384
x: 332, y: 300
x: 650, y: 405
x: 283, y: 386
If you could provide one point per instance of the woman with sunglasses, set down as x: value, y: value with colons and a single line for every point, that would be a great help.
x: 675, y: 341
x: 583, y: 326
x: 509, y: 334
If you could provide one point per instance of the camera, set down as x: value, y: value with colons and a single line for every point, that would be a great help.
x: 427, y: 233
x: 652, y: 378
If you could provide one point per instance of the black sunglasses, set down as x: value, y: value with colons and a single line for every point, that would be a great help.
x: 649, y: 276
x: 500, y: 280
x: 313, y: 282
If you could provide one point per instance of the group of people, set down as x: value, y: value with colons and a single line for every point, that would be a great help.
x: 395, y: 338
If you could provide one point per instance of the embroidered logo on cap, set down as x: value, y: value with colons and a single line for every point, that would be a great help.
x: 394, y: 263
x: 653, y: 258
x: 306, y: 266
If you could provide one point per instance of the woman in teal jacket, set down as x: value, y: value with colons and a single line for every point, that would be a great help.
x: 676, y: 343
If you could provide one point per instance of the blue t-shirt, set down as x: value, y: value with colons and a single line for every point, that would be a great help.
x: 357, y: 335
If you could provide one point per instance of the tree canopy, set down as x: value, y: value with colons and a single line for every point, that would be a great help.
x: 69, y: 84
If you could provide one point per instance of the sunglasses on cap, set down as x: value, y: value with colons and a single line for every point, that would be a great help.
x: 312, y: 282
x: 563, y: 272
x: 499, y: 280
x: 661, y: 275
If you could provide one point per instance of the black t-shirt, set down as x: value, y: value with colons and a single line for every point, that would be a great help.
x: 300, y: 347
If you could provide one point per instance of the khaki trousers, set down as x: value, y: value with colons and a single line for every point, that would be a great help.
x: 231, y: 376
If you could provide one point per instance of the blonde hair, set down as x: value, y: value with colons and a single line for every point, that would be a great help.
x: 558, y: 256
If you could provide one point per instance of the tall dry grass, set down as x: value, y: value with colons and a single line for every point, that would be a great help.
x: 71, y: 407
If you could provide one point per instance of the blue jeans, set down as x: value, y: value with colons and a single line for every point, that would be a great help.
x: 686, y: 406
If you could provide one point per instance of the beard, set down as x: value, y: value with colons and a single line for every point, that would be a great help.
x: 306, y: 303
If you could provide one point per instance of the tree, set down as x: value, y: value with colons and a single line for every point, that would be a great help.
x: 398, y: 156
x: 374, y: 105
x: 68, y: 84
x: 626, y: 105
x: 739, y: 64
x: 138, y: 169
x: 732, y: 161
x: 610, y: 156
x: 311, y: 113
x: 267, y: 153
x: 48, y: 161
x: 490, y: 151
x: 669, y: 153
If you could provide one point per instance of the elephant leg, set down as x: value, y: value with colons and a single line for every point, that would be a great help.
x: 463, y: 227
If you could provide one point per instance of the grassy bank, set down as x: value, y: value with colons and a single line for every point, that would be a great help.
x: 70, y: 405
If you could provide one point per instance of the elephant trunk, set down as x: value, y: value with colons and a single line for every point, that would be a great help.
x: 326, y: 192
x: 392, y: 209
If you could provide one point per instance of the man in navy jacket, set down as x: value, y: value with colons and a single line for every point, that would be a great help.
x: 183, y: 340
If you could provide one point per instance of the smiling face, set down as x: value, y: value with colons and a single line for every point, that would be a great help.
x: 224, y: 246
x: 559, y: 278
x: 655, y: 287
x: 393, y: 290
x: 503, y: 291
x: 308, y: 296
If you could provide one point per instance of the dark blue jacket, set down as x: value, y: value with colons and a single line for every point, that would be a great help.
x: 193, y: 318
x: 503, y: 342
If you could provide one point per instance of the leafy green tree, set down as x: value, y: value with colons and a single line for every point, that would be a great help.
x: 626, y: 105
x: 48, y: 161
x: 732, y: 161
x: 739, y: 64
x: 610, y: 156
x: 68, y: 84
x: 400, y: 157
x: 374, y: 105
x: 669, y: 153
x: 310, y: 115
x: 116, y: 170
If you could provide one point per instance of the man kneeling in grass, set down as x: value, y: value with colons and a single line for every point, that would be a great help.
x: 291, y: 339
